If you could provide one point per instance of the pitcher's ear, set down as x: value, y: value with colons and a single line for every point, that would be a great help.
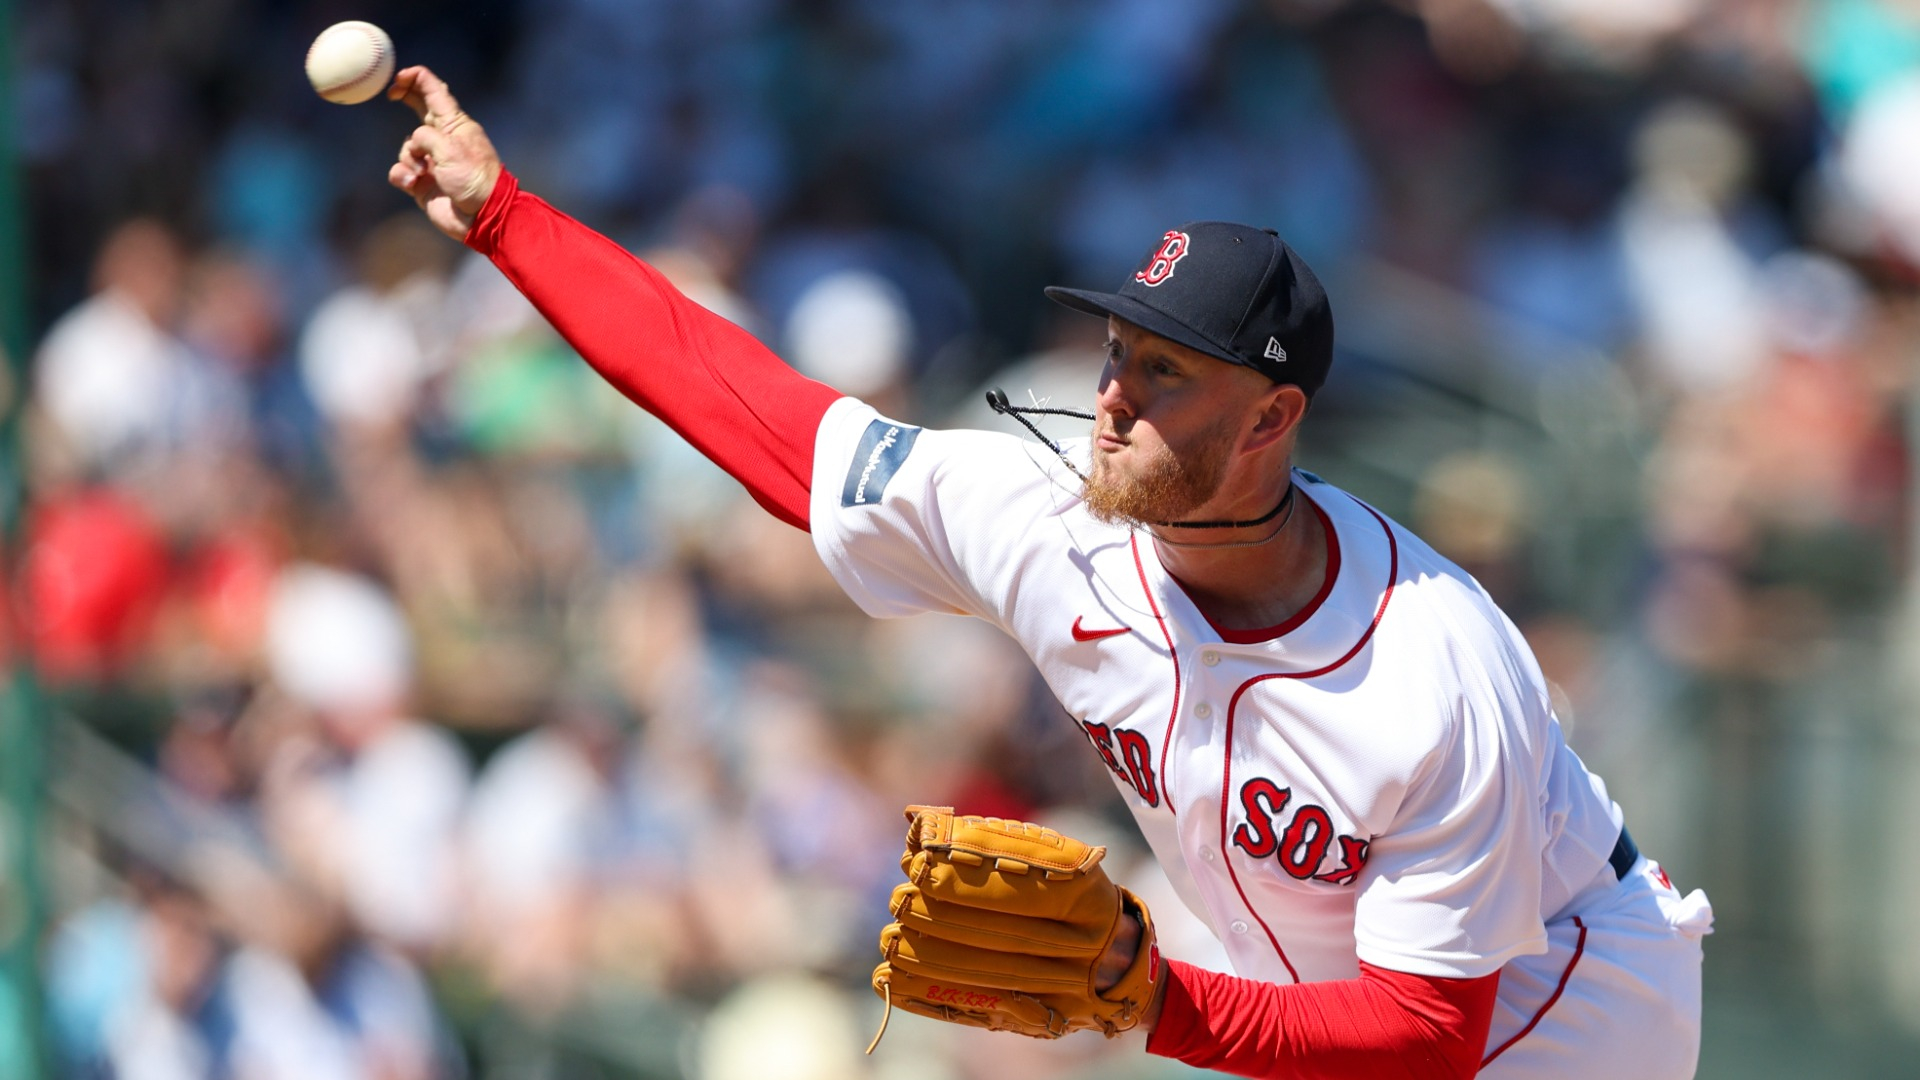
x: 1283, y: 407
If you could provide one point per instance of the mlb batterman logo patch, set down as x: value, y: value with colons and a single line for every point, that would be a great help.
x: 1173, y: 248
x: 882, y: 449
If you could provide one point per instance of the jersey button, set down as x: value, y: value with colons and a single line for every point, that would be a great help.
x: 1238, y: 926
x: 1210, y: 658
x: 1203, y: 710
x: 1207, y: 854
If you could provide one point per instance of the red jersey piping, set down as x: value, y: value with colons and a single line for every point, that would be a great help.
x: 1579, y: 946
x: 1166, y: 740
x: 1294, y: 621
x: 1233, y: 706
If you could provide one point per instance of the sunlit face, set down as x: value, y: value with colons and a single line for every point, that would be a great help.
x: 1165, y: 425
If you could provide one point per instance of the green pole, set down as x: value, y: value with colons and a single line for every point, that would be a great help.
x: 23, y: 907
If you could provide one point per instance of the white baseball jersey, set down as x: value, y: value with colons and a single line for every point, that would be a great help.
x: 1380, y: 779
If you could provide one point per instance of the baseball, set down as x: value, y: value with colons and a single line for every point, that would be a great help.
x: 350, y: 62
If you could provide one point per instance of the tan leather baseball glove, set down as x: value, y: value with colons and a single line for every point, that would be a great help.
x: 1002, y: 925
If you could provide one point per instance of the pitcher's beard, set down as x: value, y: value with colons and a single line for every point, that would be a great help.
x: 1167, y: 486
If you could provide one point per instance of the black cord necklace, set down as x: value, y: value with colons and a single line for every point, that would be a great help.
x: 1285, y: 502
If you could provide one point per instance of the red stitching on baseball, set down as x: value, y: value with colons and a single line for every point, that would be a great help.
x: 373, y: 65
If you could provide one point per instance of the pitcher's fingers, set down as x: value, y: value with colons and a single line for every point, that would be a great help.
x: 427, y: 144
x: 424, y: 91
x: 402, y: 89
x: 414, y: 180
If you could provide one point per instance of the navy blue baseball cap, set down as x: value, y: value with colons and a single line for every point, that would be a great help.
x: 1234, y: 292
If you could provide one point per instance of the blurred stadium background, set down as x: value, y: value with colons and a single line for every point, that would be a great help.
x: 390, y: 700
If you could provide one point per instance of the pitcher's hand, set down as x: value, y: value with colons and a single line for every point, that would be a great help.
x: 448, y: 164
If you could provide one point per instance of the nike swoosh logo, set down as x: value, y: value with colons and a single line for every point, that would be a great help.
x: 1081, y: 633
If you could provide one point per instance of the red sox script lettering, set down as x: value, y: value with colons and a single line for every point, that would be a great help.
x: 1301, y: 847
x: 1133, y: 761
x: 960, y: 995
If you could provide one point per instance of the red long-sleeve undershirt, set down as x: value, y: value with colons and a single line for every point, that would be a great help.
x: 711, y: 381
x: 755, y: 417
x: 1384, y: 1025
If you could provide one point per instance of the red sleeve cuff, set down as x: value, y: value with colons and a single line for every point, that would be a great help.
x: 1181, y: 1025
x: 484, y: 236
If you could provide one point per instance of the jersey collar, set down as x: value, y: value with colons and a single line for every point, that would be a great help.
x: 1359, y: 568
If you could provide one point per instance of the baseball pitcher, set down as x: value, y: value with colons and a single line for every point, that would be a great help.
x: 1340, y: 750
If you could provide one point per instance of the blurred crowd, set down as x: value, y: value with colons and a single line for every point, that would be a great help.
x: 462, y: 719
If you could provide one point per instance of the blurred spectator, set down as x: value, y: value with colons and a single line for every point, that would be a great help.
x: 851, y: 330
x: 1876, y: 160
x: 95, y: 573
x: 831, y: 837
x: 1555, y: 257
x: 1473, y: 508
x: 1693, y: 243
x: 236, y: 321
x: 137, y: 988
x: 344, y: 1011
x: 111, y: 374
x: 183, y: 1025
x: 782, y: 1028
x: 916, y: 277
x: 369, y: 349
x: 544, y: 823
x: 370, y: 811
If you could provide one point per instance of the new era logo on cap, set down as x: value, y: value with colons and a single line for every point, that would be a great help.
x: 1240, y: 294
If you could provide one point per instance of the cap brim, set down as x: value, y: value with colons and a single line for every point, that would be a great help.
x: 1139, y: 314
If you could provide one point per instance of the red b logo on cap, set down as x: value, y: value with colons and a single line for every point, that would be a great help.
x: 1173, y: 248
